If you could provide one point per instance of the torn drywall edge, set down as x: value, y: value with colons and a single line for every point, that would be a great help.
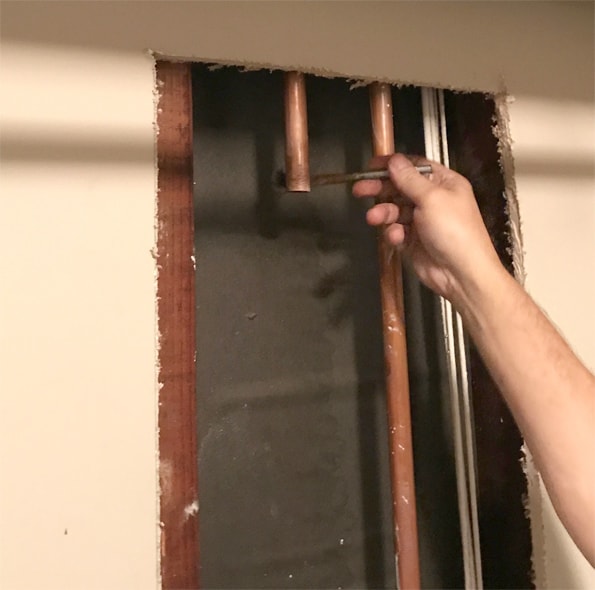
x: 533, y: 503
x: 355, y: 79
x: 534, y: 510
x: 501, y: 131
x: 157, y: 336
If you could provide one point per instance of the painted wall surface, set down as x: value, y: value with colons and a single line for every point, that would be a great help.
x: 554, y: 151
x: 78, y: 505
x: 77, y: 408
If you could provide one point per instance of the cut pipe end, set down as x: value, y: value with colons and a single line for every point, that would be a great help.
x: 280, y: 184
x: 296, y: 134
x: 297, y: 185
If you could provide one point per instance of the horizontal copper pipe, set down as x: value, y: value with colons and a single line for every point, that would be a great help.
x: 397, y: 380
x: 297, y: 167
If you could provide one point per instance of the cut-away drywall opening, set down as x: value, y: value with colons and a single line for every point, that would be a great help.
x: 291, y: 420
x: 294, y: 482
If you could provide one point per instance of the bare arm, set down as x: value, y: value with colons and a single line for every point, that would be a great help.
x: 549, y: 391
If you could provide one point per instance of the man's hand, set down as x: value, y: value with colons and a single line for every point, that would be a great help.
x: 550, y: 392
x: 436, y: 221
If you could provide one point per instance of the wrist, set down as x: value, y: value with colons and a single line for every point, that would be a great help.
x: 479, y: 291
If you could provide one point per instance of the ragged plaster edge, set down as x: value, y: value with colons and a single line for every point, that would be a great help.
x: 355, y: 79
x: 501, y: 130
x: 534, y: 510
x: 157, y: 335
x: 533, y: 503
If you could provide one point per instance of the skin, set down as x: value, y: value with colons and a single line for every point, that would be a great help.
x: 435, y: 221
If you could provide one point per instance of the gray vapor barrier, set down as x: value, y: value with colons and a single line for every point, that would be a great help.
x: 293, y: 457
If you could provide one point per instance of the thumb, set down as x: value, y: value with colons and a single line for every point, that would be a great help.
x: 408, y: 180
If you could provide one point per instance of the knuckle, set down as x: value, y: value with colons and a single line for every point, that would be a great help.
x: 465, y: 184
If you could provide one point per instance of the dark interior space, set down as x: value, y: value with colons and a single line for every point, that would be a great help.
x: 293, y: 454
x: 505, y: 533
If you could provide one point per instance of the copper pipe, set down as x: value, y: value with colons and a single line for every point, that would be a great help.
x: 297, y: 168
x: 397, y: 380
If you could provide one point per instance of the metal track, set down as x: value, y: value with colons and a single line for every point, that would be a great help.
x: 436, y: 145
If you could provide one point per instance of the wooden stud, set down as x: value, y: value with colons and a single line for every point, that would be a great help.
x: 297, y: 167
x: 397, y: 379
x: 178, y: 473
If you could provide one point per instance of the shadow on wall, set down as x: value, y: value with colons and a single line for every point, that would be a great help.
x: 16, y: 145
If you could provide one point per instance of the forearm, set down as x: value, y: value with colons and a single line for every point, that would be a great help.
x: 550, y: 393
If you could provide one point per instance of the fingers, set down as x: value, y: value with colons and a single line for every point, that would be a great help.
x: 407, y: 184
x: 389, y: 213
x: 396, y: 235
x: 379, y: 162
x: 416, y: 186
x: 372, y: 188
x: 408, y: 180
x: 405, y: 178
x: 381, y: 191
x: 367, y: 188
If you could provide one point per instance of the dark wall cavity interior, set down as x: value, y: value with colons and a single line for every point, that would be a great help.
x: 505, y: 533
x: 293, y: 460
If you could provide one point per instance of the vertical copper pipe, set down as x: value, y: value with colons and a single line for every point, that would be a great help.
x: 397, y: 380
x: 297, y: 168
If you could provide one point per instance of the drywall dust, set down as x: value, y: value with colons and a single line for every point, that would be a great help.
x: 166, y: 474
x: 191, y: 510
x: 501, y: 131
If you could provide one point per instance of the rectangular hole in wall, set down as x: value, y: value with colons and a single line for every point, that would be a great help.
x: 294, y: 484
x: 293, y: 456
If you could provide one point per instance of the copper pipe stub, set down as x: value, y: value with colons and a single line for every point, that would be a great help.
x: 381, y: 107
x: 297, y: 166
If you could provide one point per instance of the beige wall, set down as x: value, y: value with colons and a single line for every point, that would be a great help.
x: 77, y: 416
x: 78, y: 391
x: 554, y: 150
